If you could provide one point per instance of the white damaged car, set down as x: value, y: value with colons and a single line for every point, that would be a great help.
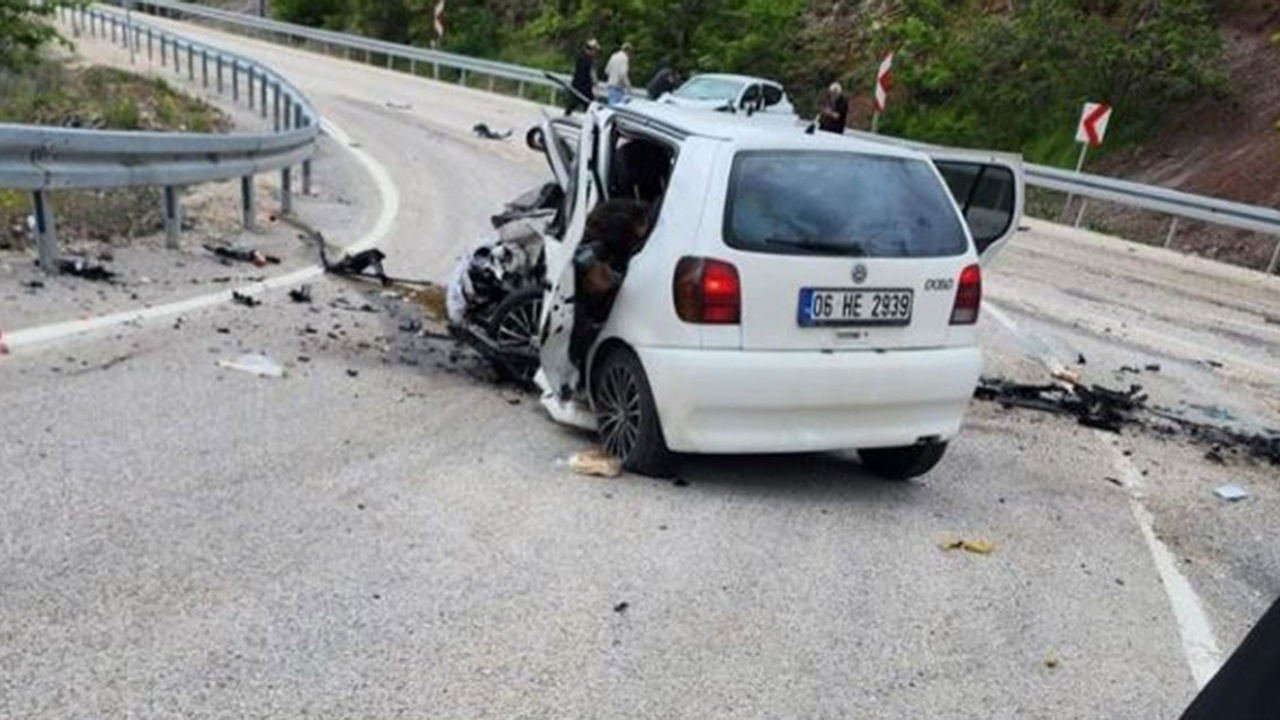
x: 795, y: 293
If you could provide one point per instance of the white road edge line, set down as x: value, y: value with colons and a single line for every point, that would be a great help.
x: 29, y: 338
x: 1199, y: 644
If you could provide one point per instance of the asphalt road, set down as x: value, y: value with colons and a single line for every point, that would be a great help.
x: 386, y: 533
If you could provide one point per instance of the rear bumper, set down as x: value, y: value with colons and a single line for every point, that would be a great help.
x: 733, y: 401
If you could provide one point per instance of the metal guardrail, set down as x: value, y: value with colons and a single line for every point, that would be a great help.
x: 525, y: 78
x: 1146, y: 197
x: 44, y: 159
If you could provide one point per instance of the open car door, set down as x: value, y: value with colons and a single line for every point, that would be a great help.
x: 558, y: 377
x: 990, y: 190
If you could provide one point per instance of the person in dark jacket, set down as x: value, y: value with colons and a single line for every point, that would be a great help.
x: 835, y: 110
x: 585, y: 76
x: 664, y: 81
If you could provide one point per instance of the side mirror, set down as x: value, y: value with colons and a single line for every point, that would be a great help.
x: 535, y: 140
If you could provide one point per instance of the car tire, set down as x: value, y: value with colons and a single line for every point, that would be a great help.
x: 629, y: 426
x: 903, y: 463
x: 514, y: 327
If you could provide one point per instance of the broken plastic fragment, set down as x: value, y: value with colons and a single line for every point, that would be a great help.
x: 595, y: 462
x: 254, y: 364
x: 978, y: 547
x: 1231, y: 492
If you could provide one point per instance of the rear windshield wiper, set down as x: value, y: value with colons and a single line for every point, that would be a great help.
x: 849, y: 248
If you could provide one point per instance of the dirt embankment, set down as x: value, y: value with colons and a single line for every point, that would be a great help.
x: 1225, y: 148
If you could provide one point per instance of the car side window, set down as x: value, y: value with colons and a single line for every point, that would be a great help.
x: 751, y: 98
x: 986, y: 195
x: 772, y: 95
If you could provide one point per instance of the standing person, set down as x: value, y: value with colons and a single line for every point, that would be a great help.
x: 584, y: 76
x: 835, y: 110
x: 664, y: 81
x: 618, y: 74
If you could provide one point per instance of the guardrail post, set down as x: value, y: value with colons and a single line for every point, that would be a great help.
x: 1173, y: 229
x: 235, y: 81
x: 150, y: 53
x: 413, y: 67
x: 164, y: 52
x: 204, y: 68
x: 286, y: 191
x: 172, y: 217
x: 389, y: 59
x: 297, y: 115
x: 1084, y: 205
x: 219, y: 64
x: 288, y: 112
x: 306, y: 177
x: 520, y: 90
x: 275, y: 105
x: 1275, y: 259
x: 248, y: 71
x: 46, y: 231
x: 113, y: 31
x: 462, y: 77
x: 491, y: 81
x: 191, y: 62
x: 262, y: 86
x: 248, y: 202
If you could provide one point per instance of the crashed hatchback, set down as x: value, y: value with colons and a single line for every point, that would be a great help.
x: 695, y: 283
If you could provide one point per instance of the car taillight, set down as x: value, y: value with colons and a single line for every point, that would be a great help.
x: 707, y: 292
x: 968, y: 297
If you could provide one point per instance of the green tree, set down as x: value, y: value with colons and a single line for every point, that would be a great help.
x: 23, y: 30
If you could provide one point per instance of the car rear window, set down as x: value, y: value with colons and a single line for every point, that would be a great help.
x: 841, y: 204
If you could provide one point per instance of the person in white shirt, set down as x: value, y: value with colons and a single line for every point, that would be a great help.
x: 618, y: 74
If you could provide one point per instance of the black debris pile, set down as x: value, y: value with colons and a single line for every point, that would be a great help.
x: 1093, y: 406
x: 1112, y: 410
x: 85, y: 269
x: 228, y: 254
x: 240, y: 298
x: 482, y: 130
x: 301, y: 294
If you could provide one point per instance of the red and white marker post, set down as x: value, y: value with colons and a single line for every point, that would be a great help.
x: 1090, y: 132
x: 884, y: 82
x: 438, y: 18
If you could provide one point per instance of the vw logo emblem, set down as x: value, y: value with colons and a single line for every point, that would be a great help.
x: 859, y: 274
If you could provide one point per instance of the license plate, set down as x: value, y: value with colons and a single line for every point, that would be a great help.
x: 835, y: 307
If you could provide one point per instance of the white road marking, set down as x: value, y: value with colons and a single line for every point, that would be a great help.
x: 25, y: 340
x: 1199, y: 644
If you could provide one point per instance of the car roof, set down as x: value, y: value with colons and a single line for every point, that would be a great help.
x: 735, y: 78
x: 745, y: 133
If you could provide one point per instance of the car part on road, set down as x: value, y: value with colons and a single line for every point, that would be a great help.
x: 254, y: 364
x: 1231, y: 492
x: 245, y: 300
x: 85, y: 269
x: 301, y: 294
x: 596, y: 461
x: 482, y: 130
x: 628, y: 418
x: 1111, y: 410
x: 903, y: 463
x: 241, y: 254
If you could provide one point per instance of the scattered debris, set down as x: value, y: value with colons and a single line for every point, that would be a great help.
x: 1231, y: 492
x: 86, y: 269
x: 395, y: 105
x: 1065, y: 375
x: 301, y: 294
x: 352, y: 372
x: 33, y: 284
x: 411, y: 326
x: 223, y: 331
x: 1153, y: 367
x: 595, y: 462
x: 484, y: 131
x: 254, y: 364
x: 1108, y: 409
x: 1081, y: 359
x: 977, y: 547
x: 242, y: 254
x: 354, y: 265
x: 1115, y: 481
x: 1213, y: 364
x: 240, y: 298
x: 621, y: 607
x: 1130, y: 369
x: 1052, y: 662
